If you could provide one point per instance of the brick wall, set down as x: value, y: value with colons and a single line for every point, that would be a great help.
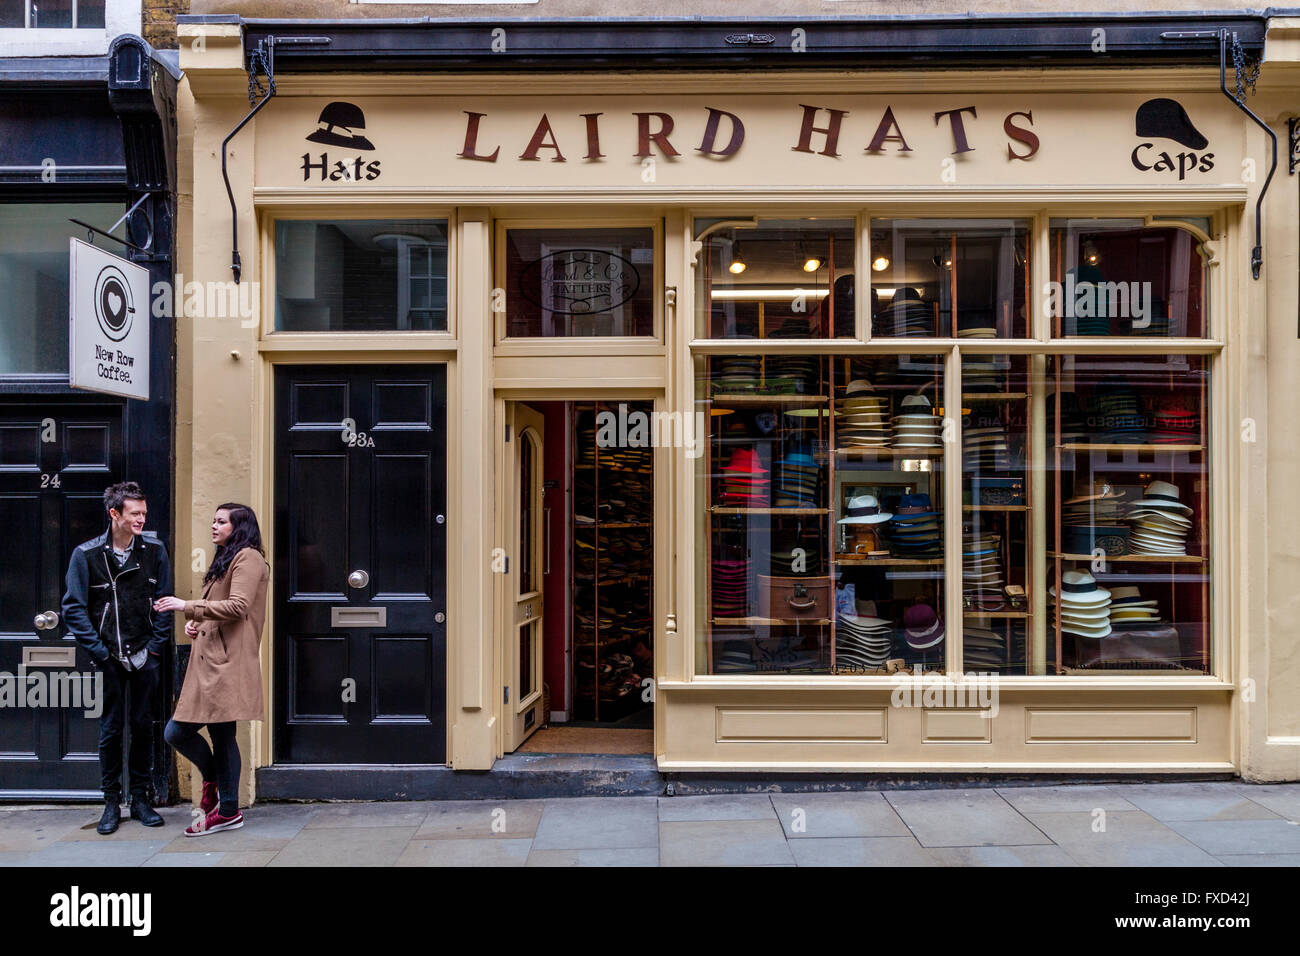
x: 160, y: 21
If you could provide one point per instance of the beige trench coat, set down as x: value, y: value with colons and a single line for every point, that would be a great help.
x: 224, y: 679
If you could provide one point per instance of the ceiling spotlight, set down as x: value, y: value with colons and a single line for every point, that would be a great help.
x: 879, y: 264
x: 812, y: 264
x: 738, y: 264
x: 1090, y: 253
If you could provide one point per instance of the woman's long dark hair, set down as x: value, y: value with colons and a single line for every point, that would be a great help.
x: 244, y: 533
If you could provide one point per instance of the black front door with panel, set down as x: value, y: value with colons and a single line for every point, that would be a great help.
x: 56, y: 459
x: 360, y: 577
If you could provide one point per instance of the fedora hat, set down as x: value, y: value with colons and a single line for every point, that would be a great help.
x: 745, y: 460
x: 1166, y: 119
x: 864, y: 509
x: 858, y: 386
x: 922, y: 626
x: 337, y: 122
x: 1161, y: 494
x: 1080, y: 589
x: 919, y: 403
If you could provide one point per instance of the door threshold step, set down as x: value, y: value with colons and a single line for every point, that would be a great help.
x: 514, y: 777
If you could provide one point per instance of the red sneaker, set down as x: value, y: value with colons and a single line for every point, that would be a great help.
x: 213, y: 822
x: 208, y: 802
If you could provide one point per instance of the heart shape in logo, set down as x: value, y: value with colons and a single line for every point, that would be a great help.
x: 115, y: 304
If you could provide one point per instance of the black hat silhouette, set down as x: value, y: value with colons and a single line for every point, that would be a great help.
x: 1167, y: 119
x: 346, y: 117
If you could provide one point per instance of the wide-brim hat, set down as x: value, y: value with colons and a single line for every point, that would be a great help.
x: 864, y: 509
x: 745, y: 461
x: 1079, y: 588
x: 858, y: 386
x: 1162, y: 495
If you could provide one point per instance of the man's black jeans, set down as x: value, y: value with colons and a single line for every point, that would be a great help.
x: 134, y: 693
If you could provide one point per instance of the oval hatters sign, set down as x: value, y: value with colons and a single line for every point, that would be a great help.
x: 579, y: 281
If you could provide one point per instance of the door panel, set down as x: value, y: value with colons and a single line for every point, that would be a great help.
x: 525, y: 535
x: 56, y: 458
x: 360, y: 487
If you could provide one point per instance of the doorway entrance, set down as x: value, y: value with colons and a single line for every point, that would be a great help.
x: 360, y: 564
x: 580, y: 578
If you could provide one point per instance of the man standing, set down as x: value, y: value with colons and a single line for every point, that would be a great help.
x: 113, y: 581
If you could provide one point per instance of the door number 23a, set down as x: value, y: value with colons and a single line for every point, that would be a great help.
x: 353, y: 438
x: 51, y: 481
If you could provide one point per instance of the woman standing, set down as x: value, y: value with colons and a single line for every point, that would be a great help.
x: 223, y: 683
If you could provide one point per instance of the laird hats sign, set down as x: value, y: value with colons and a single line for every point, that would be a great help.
x: 742, y: 141
x: 108, y: 334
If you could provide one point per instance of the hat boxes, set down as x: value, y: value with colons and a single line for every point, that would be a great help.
x: 1112, y: 539
x: 796, y: 597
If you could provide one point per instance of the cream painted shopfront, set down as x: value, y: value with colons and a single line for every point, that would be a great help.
x: 733, y: 408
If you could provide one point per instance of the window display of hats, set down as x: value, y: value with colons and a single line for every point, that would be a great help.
x: 861, y: 419
x: 906, y: 315
x: 1090, y: 521
x: 1117, y: 420
x: 743, y: 481
x: 1175, y: 424
x: 796, y: 481
x: 736, y: 374
x: 915, y: 425
x: 916, y: 531
x: 1083, y: 607
x: 984, y: 444
x: 983, y: 649
x: 1160, y: 522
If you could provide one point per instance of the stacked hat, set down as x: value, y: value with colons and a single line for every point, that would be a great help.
x: 861, y: 419
x: 1073, y: 426
x: 982, y: 326
x: 1175, y: 424
x: 735, y: 657
x: 984, y: 444
x: 862, y: 642
x: 1128, y: 609
x: 922, y: 627
x: 982, y: 579
x: 915, y: 425
x: 796, y: 481
x: 982, y: 649
x: 731, y: 588
x: 736, y: 373
x: 906, y: 315
x: 1087, y: 276
x: 1160, y: 522
x: 864, y: 509
x: 810, y: 562
x: 742, y: 481
x: 792, y: 373
x: 979, y: 373
x: 1118, y: 420
x: 916, y: 530
x: 1158, y: 323
x: 1101, y: 507
x: 1082, y: 608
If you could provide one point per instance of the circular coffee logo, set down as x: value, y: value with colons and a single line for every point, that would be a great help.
x: 113, y: 306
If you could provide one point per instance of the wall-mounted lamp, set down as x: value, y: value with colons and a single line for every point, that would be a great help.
x: 879, y: 264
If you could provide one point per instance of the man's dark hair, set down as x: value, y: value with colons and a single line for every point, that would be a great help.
x: 123, y: 491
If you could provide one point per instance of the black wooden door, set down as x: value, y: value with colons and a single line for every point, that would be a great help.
x: 55, y: 461
x: 360, y: 486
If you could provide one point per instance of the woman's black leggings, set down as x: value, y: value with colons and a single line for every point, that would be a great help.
x: 219, y: 764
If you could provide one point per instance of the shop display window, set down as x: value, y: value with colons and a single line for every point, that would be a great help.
x: 776, y: 279
x: 822, y: 536
x: 1120, y: 277
x: 365, y: 275
x: 961, y: 278
x: 579, y: 282
x: 34, y: 282
x: 1129, y: 497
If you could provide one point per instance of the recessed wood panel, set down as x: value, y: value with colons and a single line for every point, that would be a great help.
x: 956, y: 725
x: 1110, y: 724
x: 20, y: 448
x: 86, y: 447
x: 803, y: 724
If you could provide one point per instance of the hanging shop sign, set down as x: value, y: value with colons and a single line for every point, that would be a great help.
x: 752, y: 140
x: 108, y: 316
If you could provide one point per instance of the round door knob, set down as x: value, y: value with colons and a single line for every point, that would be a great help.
x: 46, y: 621
x: 358, y: 579
x: 440, y: 617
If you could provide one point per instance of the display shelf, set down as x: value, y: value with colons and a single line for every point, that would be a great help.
x: 775, y: 399
x: 1012, y: 509
x: 612, y: 525
x: 993, y: 396
x: 724, y: 510
x: 769, y: 621
x: 1131, y: 558
x: 1121, y: 446
x: 1007, y: 615
x: 858, y: 559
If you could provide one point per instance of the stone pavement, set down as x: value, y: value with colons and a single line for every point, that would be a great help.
x: 1173, y: 824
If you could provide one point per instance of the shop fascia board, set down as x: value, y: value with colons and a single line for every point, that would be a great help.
x: 1063, y: 79
x: 729, y: 43
x: 1009, y: 686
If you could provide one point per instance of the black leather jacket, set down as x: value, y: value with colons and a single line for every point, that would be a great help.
x: 109, y: 610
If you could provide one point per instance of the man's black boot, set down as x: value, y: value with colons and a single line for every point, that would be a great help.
x: 140, y: 810
x: 111, y: 818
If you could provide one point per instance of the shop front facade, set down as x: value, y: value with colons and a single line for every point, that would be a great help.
x: 806, y: 420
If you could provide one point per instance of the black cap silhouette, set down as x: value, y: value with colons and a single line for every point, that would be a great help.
x: 346, y: 117
x: 1166, y: 119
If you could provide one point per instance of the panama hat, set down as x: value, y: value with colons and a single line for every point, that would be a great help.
x: 864, y: 509
x: 1079, y: 589
x: 1161, y: 495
